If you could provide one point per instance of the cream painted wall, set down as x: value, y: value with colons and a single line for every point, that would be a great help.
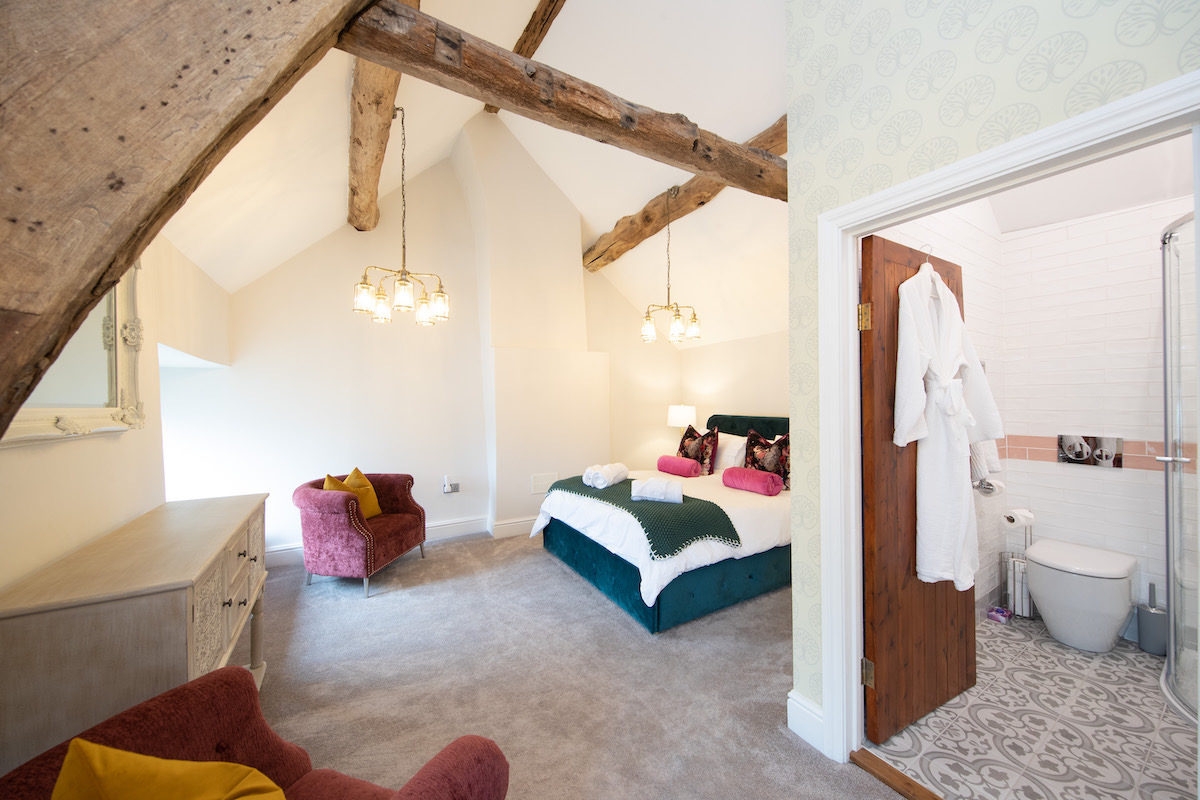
x: 194, y: 312
x: 882, y: 92
x: 643, y: 378
x: 315, y: 389
x: 58, y: 496
x: 745, y: 376
x: 545, y: 395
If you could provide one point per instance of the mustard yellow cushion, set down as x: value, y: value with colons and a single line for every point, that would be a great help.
x: 95, y: 772
x: 357, y: 482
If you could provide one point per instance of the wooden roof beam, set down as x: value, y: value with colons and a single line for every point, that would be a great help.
x: 372, y: 104
x: 631, y: 231
x: 393, y: 35
x: 535, y: 30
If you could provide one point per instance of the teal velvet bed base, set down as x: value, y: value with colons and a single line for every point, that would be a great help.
x: 691, y: 595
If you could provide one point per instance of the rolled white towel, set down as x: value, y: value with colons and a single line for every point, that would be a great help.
x: 609, y: 474
x: 589, y: 474
x: 660, y: 489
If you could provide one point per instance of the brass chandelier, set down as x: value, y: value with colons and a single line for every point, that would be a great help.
x: 679, y: 329
x: 373, y: 299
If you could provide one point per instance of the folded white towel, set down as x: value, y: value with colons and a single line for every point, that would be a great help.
x: 589, y: 474
x: 608, y: 475
x: 661, y: 489
x: 985, y: 458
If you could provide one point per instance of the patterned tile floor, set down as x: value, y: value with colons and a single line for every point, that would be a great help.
x: 1046, y: 721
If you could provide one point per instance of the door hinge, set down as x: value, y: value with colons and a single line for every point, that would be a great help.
x: 864, y: 316
x: 868, y: 673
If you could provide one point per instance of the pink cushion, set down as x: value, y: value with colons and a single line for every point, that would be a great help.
x: 679, y: 465
x: 752, y: 480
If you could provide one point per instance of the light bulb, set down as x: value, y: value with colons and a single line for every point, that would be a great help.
x: 693, y: 328
x: 364, y: 296
x: 424, y: 311
x: 648, y: 332
x: 404, y: 293
x: 677, y: 328
x: 383, y: 309
x: 441, y: 305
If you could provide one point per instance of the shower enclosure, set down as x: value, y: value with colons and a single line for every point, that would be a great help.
x: 1179, y: 679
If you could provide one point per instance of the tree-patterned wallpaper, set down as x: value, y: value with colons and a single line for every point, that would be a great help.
x: 880, y: 92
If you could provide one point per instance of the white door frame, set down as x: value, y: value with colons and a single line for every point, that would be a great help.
x: 1158, y: 113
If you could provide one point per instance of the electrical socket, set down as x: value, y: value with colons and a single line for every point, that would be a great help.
x: 450, y: 488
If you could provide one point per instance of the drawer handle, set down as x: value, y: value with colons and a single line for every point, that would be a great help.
x: 254, y: 558
x: 241, y: 602
x: 241, y: 554
x: 228, y: 602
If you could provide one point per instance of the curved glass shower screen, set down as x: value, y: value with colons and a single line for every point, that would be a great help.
x: 1181, y: 408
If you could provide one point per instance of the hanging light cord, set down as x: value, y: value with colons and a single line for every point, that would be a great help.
x: 670, y: 193
x: 403, y: 198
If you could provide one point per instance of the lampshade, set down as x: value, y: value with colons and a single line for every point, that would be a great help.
x: 404, y: 294
x: 648, y: 332
x: 364, y: 296
x: 383, y: 309
x: 681, y: 416
x: 677, y: 328
x: 424, y: 311
x: 440, y: 305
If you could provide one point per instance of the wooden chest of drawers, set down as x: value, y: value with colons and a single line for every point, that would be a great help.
x: 147, y: 607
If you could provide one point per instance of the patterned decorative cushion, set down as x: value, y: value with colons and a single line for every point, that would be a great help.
x: 699, y: 447
x: 768, y: 456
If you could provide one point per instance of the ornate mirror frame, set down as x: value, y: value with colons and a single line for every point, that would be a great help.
x: 124, y: 411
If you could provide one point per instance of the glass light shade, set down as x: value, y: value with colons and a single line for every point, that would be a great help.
x: 364, y: 297
x: 424, y: 311
x: 404, y: 294
x: 677, y: 328
x: 681, y: 416
x: 383, y: 309
x: 441, y: 305
x: 648, y: 332
x: 693, y: 327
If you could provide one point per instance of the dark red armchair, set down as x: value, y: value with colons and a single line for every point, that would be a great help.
x: 217, y: 717
x: 339, y: 542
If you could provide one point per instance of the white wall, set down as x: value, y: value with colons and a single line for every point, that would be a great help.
x: 315, y: 388
x: 744, y: 376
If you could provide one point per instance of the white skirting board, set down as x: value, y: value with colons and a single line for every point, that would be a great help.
x: 513, y: 527
x: 806, y: 720
x: 434, y: 532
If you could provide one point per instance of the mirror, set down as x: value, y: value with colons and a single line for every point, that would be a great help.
x: 92, y: 386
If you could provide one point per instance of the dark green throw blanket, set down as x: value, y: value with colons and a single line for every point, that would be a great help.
x: 669, y: 527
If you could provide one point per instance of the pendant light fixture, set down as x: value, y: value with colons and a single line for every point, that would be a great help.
x: 374, y: 300
x: 679, y: 330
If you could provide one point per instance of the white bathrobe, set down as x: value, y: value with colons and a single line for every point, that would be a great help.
x: 943, y: 402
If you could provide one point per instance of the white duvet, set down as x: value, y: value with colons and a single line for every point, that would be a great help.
x: 761, y: 523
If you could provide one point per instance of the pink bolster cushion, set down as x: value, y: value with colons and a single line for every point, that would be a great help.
x: 679, y: 465
x: 752, y: 480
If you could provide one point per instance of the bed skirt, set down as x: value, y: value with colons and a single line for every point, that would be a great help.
x: 691, y: 595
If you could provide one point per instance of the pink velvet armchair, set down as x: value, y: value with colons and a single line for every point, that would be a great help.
x: 339, y: 542
x: 217, y: 717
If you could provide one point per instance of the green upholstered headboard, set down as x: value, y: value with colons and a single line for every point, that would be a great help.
x: 770, y: 427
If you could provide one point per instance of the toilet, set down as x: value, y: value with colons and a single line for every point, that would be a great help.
x: 1083, y: 593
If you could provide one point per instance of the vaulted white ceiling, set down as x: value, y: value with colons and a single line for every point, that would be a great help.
x: 285, y: 185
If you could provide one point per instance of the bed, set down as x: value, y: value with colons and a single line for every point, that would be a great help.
x: 668, y: 592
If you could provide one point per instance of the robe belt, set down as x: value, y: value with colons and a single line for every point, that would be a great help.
x: 948, y: 395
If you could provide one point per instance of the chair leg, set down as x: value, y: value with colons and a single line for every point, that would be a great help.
x: 366, y: 587
x: 307, y: 578
x: 422, y: 549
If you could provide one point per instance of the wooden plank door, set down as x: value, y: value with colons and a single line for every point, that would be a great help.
x: 919, y: 636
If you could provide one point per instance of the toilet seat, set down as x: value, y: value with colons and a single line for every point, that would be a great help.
x: 1080, y: 559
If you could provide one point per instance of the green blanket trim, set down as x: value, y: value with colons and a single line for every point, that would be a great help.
x: 669, y: 527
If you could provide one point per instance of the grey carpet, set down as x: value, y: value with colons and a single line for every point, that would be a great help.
x: 499, y: 639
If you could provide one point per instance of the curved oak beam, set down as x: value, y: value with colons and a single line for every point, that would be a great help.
x: 110, y: 115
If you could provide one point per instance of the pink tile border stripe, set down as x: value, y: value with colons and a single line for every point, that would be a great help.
x: 1138, y: 454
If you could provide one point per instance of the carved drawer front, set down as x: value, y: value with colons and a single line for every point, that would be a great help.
x: 258, y: 549
x: 237, y: 556
x: 237, y: 607
x: 209, y: 625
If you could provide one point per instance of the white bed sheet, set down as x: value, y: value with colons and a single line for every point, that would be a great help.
x: 761, y: 523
